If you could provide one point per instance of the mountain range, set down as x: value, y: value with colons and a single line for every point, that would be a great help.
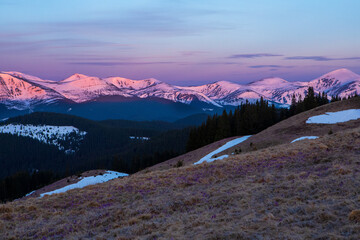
x: 82, y: 94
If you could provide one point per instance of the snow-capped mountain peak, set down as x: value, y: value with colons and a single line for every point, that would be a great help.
x: 341, y: 82
x: 25, y: 76
x: 125, y: 83
x: 74, y: 77
x: 22, y: 90
x: 15, y: 86
x: 269, y: 82
x: 342, y: 75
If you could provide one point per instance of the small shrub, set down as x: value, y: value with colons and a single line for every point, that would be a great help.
x: 252, y: 145
x: 330, y: 132
x: 238, y: 151
x: 179, y: 163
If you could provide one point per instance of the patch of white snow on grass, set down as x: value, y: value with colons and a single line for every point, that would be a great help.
x: 30, y: 193
x: 227, y: 145
x: 335, y: 117
x: 86, y: 181
x: 305, y: 137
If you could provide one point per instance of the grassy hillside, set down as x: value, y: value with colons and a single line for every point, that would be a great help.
x: 280, y: 133
x: 303, y: 190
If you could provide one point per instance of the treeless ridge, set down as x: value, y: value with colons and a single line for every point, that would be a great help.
x: 304, y: 190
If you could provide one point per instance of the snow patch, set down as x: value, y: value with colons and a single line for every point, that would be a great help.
x: 30, y: 193
x: 227, y: 145
x: 305, y: 137
x: 139, y: 138
x: 335, y: 117
x: 86, y: 181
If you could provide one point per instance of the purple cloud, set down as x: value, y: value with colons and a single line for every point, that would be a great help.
x: 255, y: 55
x: 118, y: 63
x: 269, y: 66
x: 320, y: 58
x: 192, y: 53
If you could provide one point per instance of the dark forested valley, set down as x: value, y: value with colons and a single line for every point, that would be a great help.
x: 127, y: 146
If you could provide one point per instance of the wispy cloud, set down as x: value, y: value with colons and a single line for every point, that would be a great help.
x: 210, y: 63
x: 143, y: 21
x: 193, y: 53
x: 270, y: 66
x: 115, y: 63
x: 36, y: 45
x: 255, y: 55
x: 320, y: 58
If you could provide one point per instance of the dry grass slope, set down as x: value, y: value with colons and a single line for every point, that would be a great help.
x: 282, y: 132
x: 305, y: 190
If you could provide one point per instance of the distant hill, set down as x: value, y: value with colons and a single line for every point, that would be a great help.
x: 103, y: 143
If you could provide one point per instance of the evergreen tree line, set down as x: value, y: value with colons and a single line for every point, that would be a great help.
x: 21, y: 183
x: 251, y: 118
x: 105, y: 146
x: 248, y: 118
x: 139, y: 162
x: 312, y: 100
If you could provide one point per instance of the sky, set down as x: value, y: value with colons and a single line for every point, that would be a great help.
x: 183, y: 42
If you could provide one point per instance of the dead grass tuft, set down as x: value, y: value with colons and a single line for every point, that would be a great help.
x: 4, y: 209
x: 32, y: 208
x: 325, y: 217
x: 93, y: 204
x: 354, y: 216
x: 7, y: 216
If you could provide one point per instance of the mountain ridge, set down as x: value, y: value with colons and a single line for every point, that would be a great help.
x: 79, y: 88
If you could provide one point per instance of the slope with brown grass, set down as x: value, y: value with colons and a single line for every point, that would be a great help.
x: 305, y: 190
x: 280, y: 133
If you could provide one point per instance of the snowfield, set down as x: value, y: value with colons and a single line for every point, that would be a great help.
x: 139, y: 138
x: 305, y: 137
x: 86, y: 181
x: 335, y: 117
x: 53, y: 135
x: 227, y: 145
